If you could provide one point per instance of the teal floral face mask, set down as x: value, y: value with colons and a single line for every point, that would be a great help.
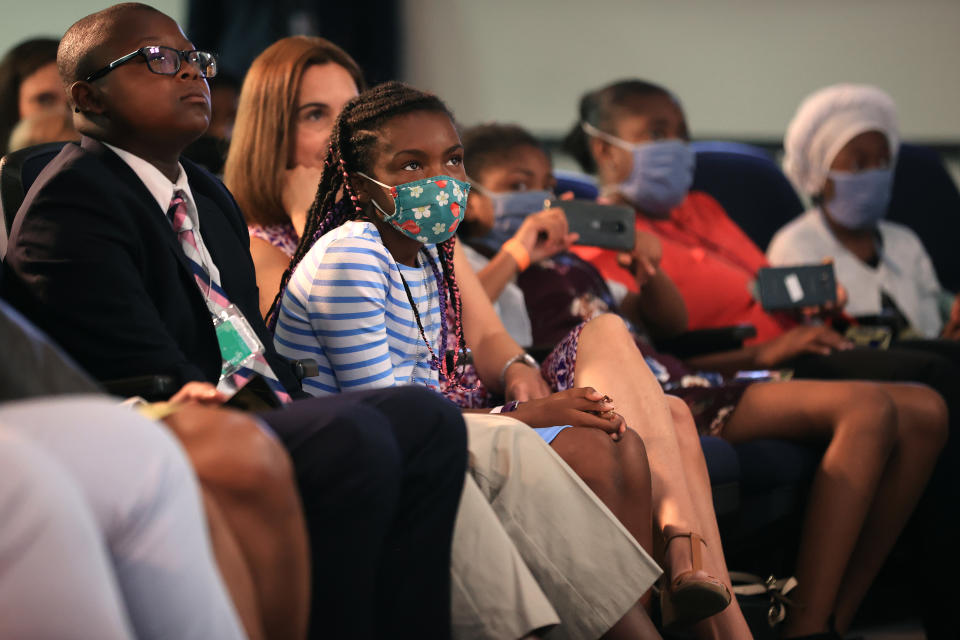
x: 429, y: 210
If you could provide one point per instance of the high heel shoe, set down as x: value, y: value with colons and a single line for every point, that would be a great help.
x: 687, y: 600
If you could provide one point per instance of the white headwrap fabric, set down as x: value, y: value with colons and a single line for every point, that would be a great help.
x: 827, y: 120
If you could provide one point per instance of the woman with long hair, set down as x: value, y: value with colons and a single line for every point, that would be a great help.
x: 290, y: 98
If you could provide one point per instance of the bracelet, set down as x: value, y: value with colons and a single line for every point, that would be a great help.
x: 506, y: 408
x: 518, y: 252
x: 523, y: 357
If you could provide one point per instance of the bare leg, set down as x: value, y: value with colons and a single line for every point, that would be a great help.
x: 921, y: 434
x: 609, y: 361
x: 860, y: 422
x: 730, y: 622
x: 249, y: 475
x: 617, y: 472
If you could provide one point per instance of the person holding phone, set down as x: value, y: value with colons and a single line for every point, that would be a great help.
x: 841, y: 147
x: 509, y: 230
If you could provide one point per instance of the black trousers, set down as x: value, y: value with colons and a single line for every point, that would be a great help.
x: 380, y: 475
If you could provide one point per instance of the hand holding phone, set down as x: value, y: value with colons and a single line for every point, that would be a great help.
x: 645, y: 258
x: 545, y: 234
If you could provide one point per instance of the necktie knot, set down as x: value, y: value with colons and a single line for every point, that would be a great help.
x: 177, y: 212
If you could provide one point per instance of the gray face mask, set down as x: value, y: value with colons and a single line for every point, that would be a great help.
x: 860, y: 200
x: 661, y: 176
x: 510, y: 209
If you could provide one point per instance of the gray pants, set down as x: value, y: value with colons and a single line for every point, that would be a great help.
x: 533, y: 546
x: 102, y: 532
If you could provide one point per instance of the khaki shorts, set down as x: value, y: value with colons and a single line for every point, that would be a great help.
x: 534, y: 547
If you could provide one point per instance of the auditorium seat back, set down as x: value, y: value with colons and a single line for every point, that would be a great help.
x: 926, y: 199
x: 18, y: 171
x: 749, y: 185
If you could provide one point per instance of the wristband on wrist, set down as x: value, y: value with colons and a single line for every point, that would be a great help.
x: 522, y: 357
x: 506, y: 408
x: 518, y: 252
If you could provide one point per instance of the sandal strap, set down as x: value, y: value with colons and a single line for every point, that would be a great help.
x: 696, y: 555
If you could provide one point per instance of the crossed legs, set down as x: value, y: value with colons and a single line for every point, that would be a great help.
x: 609, y: 361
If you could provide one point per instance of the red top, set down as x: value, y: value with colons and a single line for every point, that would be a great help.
x: 712, y: 262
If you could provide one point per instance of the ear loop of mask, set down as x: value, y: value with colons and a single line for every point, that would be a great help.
x: 373, y: 200
x: 591, y: 130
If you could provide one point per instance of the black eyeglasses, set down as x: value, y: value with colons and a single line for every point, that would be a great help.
x: 164, y: 61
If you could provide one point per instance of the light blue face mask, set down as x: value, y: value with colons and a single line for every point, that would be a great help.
x: 860, y: 200
x: 661, y: 175
x: 510, y: 209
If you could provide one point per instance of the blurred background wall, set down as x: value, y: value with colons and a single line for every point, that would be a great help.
x: 739, y: 66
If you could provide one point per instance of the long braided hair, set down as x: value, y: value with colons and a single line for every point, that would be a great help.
x: 352, y: 142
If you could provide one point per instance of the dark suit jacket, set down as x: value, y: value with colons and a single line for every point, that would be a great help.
x: 93, y: 261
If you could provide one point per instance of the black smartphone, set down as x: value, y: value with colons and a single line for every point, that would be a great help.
x: 255, y: 395
x: 600, y: 225
x: 782, y: 288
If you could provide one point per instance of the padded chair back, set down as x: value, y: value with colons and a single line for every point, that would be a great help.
x: 926, y: 199
x: 750, y: 187
x: 18, y: 171
x: 584, y: 187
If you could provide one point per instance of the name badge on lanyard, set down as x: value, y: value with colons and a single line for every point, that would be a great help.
x: 239, y: 344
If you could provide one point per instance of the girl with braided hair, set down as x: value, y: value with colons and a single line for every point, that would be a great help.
x: 379, y: 294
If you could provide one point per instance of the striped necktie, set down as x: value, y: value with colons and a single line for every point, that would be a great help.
x: 216, y: 299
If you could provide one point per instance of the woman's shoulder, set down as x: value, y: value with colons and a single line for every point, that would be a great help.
x: 900, y: 237
x: 804, y: 233
x: 281, y: 236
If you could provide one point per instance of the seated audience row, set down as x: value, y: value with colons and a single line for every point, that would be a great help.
x: 130, y: 291
x: 506, y: 163
x: 353, y: 200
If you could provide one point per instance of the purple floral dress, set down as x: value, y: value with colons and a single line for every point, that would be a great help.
x: 281, y: 236
x: 565, y: 292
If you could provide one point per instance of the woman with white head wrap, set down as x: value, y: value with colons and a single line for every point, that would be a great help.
x: 841, y: 147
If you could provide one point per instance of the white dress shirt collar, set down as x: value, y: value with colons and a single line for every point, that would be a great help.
x: 162, y: 191
x: 158, y: 184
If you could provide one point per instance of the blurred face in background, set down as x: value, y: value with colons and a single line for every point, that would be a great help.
x: 522, y: 168
x: 223, y: 110
x: 42, y: 90
x: 324, y: 90
x: 650, y: 118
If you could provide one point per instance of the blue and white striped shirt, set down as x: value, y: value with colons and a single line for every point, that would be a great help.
x: 346, y: 308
